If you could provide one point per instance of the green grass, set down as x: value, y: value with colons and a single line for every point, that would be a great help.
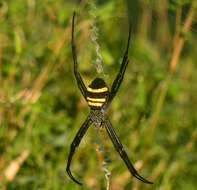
x: 41, y: 108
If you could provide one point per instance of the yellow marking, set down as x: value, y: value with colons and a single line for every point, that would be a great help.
x: 95, y: 104
x: 105, y: 89
x: 96, y: 99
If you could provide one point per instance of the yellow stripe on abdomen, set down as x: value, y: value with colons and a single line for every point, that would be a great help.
x: 98, y: 90
x: 96, y: 104
x: 100, y: 100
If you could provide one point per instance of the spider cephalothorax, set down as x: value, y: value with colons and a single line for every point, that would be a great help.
x: 99, y: 98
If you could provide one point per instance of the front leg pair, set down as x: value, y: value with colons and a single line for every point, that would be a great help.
x: 117, y: 82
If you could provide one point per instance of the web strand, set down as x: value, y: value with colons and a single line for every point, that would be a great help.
x: 94, y: 38
x: 101, y: 151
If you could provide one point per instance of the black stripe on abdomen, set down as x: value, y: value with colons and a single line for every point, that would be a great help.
x: 97, y: 95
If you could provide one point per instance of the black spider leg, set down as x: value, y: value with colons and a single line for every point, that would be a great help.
x: 119, y: 148
x: 117, y: 82
x: 80, y: 82
x: 75, y: 144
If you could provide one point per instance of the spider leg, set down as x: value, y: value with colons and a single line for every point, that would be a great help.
x: 75, y: 144
x: 80, y: 82
x: 119, y: 148
x: 117, y: 82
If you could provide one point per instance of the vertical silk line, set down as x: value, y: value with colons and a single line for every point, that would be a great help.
x: 107, y: 174
x: 99, y: 68
x: 94, y: 37
x: 101, y: 150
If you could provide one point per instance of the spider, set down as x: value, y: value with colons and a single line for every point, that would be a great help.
x: 99, y: 98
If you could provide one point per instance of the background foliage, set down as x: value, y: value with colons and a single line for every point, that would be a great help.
x: 41, y: 108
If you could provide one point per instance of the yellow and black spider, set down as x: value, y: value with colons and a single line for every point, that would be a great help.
x: 99, y: 98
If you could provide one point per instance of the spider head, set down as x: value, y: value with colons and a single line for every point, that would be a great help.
x: 97, y: 93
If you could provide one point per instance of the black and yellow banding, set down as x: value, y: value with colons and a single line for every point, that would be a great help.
x: 97, y: 93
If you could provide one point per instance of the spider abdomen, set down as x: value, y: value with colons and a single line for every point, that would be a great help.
x: 97, y: 93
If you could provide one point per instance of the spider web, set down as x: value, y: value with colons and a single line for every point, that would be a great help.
x: 94, y: 32
x: 101, y: 150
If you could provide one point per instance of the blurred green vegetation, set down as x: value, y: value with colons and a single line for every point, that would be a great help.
x: 41, y: 109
